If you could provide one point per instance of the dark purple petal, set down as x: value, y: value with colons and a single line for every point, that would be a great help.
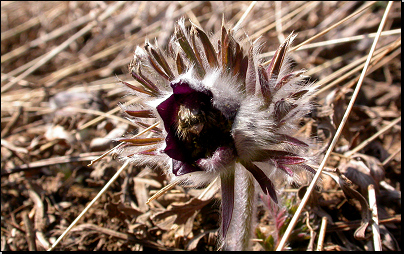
x: 182, y: 88
x: 181, y: 168
x: 227, y: 185
x: 183, y: 94
x: 194, y: 151
x: 168, y: 112
x: 266, y: 185
x: 174, y: 148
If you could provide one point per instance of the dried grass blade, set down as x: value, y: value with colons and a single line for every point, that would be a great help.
x: 333, y: 26
x: 90, y: 205
x: 61, y: 47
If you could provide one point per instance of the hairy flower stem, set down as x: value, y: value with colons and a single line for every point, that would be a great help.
x: 239, y: 233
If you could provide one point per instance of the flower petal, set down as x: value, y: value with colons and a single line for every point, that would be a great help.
x: 285, y: 79
x: 227, y: 185
x: 277, y: 61
x: 264, y: 84
x: 251, y: 78
x: 174, y: 148
x: 286, y: 169
x: 183, y: 95
x: 186, y: 47
x: 293, y: 141
x: 207, y: 45
x: 266, y: 185
x: 308, y: 168
x: 182, y: 168
x: 168, y: 112
x: 182, y: 87
x: 282, y: 108
x: 290, y: 160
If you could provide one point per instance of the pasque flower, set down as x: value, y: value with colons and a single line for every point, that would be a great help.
x: 222, y: 114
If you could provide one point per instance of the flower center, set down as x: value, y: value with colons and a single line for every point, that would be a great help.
x: 202, y: 129
x: 195, y: 128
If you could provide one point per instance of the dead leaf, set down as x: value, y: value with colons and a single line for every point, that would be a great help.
x: 118, y: 210
x: 363, y: 170
x: 179, y: 214
x: 193, y: 243
x: 365, y: 211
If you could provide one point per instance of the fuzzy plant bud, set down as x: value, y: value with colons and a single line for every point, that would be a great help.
x: 222, y: 114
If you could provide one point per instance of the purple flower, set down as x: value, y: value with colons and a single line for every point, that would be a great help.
x: 221, y: 111
x: 198, y: 135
